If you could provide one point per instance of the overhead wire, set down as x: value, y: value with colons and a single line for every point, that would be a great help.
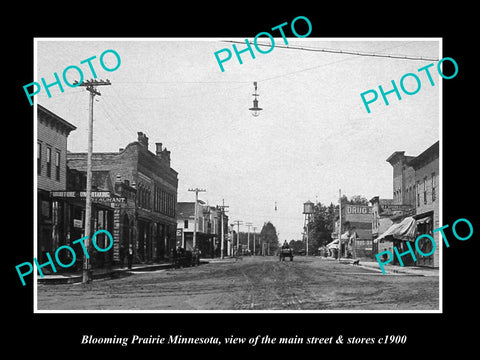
x: 344, y: 52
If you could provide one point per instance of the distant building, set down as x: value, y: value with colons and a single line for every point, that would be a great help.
x: 358, y: 221
x: 52, y: 134
x: 356, y: 238
x: 208, y: 232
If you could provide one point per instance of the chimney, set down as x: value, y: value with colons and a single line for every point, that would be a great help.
x: 143, y: 139
x: 158, y: 150
x: 166, y: 156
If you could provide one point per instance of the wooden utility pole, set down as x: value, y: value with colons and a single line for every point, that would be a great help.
x: 91, y: 86
x: 238, y: 222
x: 197, y: 190
x: 340, y: 225
x: 222, y: 212
x: 248, y: 235
x: 254, y: 229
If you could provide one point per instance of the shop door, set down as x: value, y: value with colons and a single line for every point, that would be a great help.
x: 425, y: 245
x: 141, y: 240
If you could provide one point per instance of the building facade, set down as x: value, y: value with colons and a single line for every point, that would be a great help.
x: 415, y: 200
x: 357, y: 220
x: 208, y: 231
x: 143, y: 190
x: 427, y: 215
x: 51, y: 168
x: 403, y: 178
x: 356, y: 237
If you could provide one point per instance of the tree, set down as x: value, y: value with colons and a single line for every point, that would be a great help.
x: 358, y: 200
x: 297, y: 246
x: 354, y: 200
x: 269, y: 236
x: 322, y: 225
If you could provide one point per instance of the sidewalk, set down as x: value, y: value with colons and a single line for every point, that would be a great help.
x: 395, y: 269
x: 102, y: 273
x: 114, y: 272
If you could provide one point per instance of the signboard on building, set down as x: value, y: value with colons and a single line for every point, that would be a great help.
x: 97, y: 196
x: 358, y: 209
x: 179, y: 235
x: 79, y: 194
x: 396, y: 209
x: 358, y: 213
x: 112, y: 200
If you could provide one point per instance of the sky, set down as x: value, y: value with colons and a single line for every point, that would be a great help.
x: 312, y: 138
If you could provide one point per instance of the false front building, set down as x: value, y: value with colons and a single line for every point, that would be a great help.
x: 207, y: 228
x: 415, y: 208
x: 52, y: 134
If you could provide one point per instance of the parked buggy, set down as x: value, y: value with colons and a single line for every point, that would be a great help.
x: 185, y: 258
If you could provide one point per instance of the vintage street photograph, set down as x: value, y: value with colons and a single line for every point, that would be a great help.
x: 233, y: 175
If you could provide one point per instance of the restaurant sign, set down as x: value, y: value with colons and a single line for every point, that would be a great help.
x: 97, y: 196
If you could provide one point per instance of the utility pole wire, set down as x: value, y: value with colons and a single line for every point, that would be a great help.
x: 346, y: 52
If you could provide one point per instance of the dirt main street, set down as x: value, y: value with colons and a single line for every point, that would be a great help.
x: 254, y: 283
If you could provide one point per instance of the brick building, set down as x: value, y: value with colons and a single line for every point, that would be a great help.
x: 403, y: 178
x: 51, y: 165
x: 426, y: 167
x: 147, y: 185
x: 415, y: 199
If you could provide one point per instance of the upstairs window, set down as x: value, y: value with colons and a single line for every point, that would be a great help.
x: 49, y: 162
x: 57, y: 165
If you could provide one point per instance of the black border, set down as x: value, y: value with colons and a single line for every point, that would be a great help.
x: 61, y: 333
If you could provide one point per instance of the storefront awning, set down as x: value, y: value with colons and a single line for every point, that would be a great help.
x: 333, y: 244
x: 405, y: 230
x: 424, y: 220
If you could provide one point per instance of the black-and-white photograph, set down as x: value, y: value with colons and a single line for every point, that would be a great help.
x: 271, y: 174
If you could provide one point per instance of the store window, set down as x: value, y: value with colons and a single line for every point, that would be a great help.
x: 425, y: 190
x: 418, y: 193
x: 39, y: 158
x: 434, y: 195
x: 57, y: 165
x: 49, y: 161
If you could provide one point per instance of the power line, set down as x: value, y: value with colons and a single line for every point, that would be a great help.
x: 345, y: 52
